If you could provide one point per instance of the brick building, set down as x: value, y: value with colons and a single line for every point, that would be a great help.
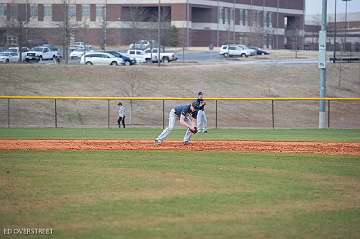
x: 266, y: 23
x: 347, y: 32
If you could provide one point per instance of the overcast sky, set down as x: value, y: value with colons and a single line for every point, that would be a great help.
x: 314, y: 6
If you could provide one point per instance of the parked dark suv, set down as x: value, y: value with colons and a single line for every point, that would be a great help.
x: 127, y: 60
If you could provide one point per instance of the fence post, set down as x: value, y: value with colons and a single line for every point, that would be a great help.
x: 108, y: 113
x: 130, y: 113
x: 272, y: 114
x: 328, y: 113
x: 8, y: 113
x: 163, y: 113
x: 55, y: 113
x: 216, y: 114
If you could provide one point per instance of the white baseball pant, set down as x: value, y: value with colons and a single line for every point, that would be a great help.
x: 201, y: 121
x: 172, y: 123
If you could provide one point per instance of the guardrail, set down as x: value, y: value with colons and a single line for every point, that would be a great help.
x: 55, y: 99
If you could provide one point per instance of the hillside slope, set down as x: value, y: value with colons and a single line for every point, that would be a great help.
x: 223, y: 80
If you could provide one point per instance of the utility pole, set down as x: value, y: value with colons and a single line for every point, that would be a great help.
x: 346, y: 22
x: 187, y: 24
x: 322, y: 65
x: 217, y: 26
x: 159, y: 38
x: 234, y: 18
x: 104, y: 25
x: 334, y: 60
x: 277, y: 25
x: 186, y: 32
x: 66, y: 32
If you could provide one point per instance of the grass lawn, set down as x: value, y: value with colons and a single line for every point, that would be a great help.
x: 333, y: 135
x: 180, y: 194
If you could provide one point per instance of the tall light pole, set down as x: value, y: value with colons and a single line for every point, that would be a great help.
x: 277, y: 25
x: 159, y: 22
x: 217, y: 26
x: 105, y: 25
x: 334, y: 58
x: 187, y: 24
x: 66, y: 32
x: 234, y: 18
x: 346, y: 21
x: 322, y: 65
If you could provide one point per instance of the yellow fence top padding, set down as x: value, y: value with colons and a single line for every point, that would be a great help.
x: 170, y: 98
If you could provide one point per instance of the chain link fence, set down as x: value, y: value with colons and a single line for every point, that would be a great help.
x: 67, y: 112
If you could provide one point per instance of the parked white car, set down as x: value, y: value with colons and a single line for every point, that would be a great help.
x: 42, y: 53
x: 7, y: 57
x: 151, y: 55
x: 101, y: 58
x: 138, y: 55
x: 24, y: 50
x: 236, y: 50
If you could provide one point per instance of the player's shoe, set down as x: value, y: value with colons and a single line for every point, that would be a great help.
x: 157, y: 142
x: 205, y: 131
x: 186, y: 142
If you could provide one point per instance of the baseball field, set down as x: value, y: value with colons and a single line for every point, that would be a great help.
x: 229, y: 183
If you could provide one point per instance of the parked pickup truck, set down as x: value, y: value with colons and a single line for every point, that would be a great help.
x: 151, y: 55
x: 138, y: 55
x: 42, y: 53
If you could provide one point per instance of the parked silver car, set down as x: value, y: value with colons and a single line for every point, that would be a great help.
x: 101, y: 58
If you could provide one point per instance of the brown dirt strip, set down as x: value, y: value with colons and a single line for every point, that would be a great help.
x: 239, y: 146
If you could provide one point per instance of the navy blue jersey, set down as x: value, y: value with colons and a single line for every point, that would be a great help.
x: 184, y: 110
x: 200, y: 102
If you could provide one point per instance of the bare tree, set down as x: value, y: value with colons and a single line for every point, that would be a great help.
x: 256, y: 27
x: 143, y: 23
x: 133, y: 84
x: 68, y: 26
x: 136, y: 17
x: 18, y: 18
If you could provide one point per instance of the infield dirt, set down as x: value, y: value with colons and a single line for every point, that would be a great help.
x: 240, y: 146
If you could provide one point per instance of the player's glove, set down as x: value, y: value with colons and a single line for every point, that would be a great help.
x: 194, y: 131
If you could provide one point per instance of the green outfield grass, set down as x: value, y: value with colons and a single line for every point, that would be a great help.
x: 208, y: 195
x: 340, y: 135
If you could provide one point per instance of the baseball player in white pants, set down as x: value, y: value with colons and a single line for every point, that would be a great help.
x: 201, y: 116
x: 187, y: 116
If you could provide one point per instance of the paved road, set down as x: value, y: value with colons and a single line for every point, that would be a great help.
x: 200, y: 56
x: 214, y: 57
x: 206, y: 57
x: 277, y: 62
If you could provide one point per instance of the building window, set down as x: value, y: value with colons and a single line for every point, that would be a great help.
x: 47, y: 11
x: 99, y: 11
x: 2, y: 10
x: 223, y: 17
x: 72, y: 10
x: 230, y: 15
x: 86, y: 10
x: 12, y: 11
x: 33, y: 10
x: 244, y: 16
x: 261, y: 19
x: 268, y: 19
